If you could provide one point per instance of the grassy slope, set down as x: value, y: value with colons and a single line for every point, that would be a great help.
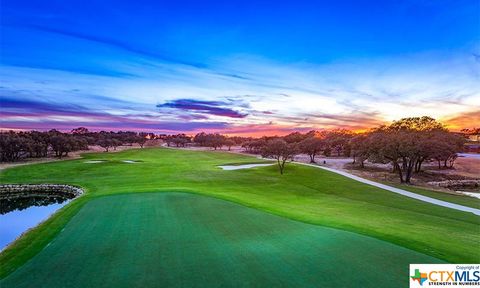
x: 303, y: 193
x: 458, y: 199
x: 178, y: 239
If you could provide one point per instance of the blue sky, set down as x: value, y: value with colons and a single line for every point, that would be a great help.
x: 237, y: 66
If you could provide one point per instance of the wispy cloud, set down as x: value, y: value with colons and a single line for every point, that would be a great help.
x: 236, y: 93
x: 216, y: 108
x: 114, y: 43
x: 469, y: 119
x: 125, y: 124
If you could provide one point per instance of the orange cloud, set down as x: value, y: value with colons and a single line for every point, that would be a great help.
x: 466, y: 120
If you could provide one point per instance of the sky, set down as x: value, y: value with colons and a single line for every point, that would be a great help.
x: 237, y: 67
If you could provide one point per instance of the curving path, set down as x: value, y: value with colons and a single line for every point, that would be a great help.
x: 399, y: 191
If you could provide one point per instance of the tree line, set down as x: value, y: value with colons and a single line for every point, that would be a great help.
x: 35, y: 144
x: 202, y: 139
x: 405, y: 144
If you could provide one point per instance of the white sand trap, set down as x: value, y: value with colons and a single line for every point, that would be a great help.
x: 94, y: 161
x: 245, y: 166
x: 129, y: 161
x: 471, y: 194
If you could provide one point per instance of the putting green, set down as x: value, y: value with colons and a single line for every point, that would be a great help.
x: 188, y: 240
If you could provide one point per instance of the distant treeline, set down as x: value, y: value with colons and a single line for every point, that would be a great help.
x: 405, y: 144
x: 35, y: 144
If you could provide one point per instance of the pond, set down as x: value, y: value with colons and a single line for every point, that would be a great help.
x: 19, y: 214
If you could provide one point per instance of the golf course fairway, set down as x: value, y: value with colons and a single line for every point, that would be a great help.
x: 173, y: 216
x: 187, y: 240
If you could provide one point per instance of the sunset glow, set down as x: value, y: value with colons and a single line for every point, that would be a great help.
x: 187, y: 67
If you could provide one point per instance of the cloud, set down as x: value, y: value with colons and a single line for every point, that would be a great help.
x: 476, y: 57
x: 352, y: 119
x: 115, y: 43
x: 31, y: 114
x: 18, y: 106
x: 469, y: 119
x: 125, y: 124
x: 216, y: 108
x: 354, y: 94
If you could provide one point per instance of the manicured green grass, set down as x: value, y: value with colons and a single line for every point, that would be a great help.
x: 187, y: 240
x: 458, y: 199
x: 303, y: 193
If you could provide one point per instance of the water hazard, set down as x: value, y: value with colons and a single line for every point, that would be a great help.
x: 18, y: 214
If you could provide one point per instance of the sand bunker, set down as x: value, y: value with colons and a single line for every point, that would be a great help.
x: 94, y: 161
x: 471, y: 194
x: 245, y: 166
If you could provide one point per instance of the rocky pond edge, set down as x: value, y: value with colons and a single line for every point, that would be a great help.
x: 11, y: 191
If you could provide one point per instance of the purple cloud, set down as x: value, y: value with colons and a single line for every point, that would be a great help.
x: 33, y: 106
x: 125, y: 124
x: 94, y: 120
x: 216, y: 108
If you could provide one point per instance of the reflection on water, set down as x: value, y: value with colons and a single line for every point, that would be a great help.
x: 22, y: 213
x: 22, y: 203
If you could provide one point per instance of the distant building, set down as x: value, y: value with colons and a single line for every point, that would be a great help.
x: 474, y: 137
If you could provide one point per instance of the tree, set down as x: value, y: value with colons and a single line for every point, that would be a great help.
x: 408, y: 142
x: 16, y: 145
x: 281, y: 151
x: 141, y: 138
x: 254, y: 146
x: 239, y: 140
x: 80, y: 131
x: 168, y: 139
x: 40, y: 143
x: 360, y: 149
x: 229, y: 143
x: 105, y: 142
x: 423, y: 123
x: 115, y: 143
x: 10, y: 146
x: 295, y: 137
x: 311, y: 146
x: 445, y: 147
x: 63, y: 144
x: 78, y: 143
x: 200, y: 139
x: 179, y: 141
x: 215, y: 140
x: 434, y: 140
x: 389, y: 147
x: 127, y: 137
x: 338, y: 140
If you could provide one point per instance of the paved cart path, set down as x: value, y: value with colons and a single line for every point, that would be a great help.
x: 400, y: 191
